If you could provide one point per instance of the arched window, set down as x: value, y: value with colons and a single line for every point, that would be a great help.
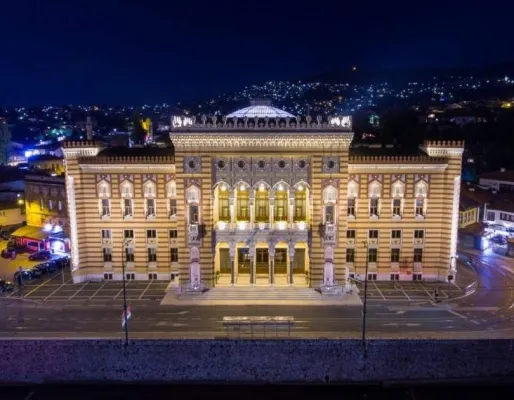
x: 281, y: 204
x: 171, y: 189
x: 104, y: 189
x: 223, y: 203
x: 330, y: 194
x: 398, y: 189
x: 300, y: 204
x: 397, y: 193
x: 193, y: 194
x: 243, y: 203
x: 262, y: 203
x: 421, y: 192
x: 127, y: 189
x: 421, y: 189
x: 353, y: 189
x: 375, y: 191
x: 149, y: 189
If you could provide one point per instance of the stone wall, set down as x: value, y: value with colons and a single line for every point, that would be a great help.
x: 38, y: 361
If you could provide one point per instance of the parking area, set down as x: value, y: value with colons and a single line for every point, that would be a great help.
x: 59, y: 287
x: 409, y: 290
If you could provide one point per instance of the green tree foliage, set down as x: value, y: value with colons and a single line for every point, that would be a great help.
x: 5, y: 141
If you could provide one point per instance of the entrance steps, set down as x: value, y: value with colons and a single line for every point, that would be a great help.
x: 261, y: 295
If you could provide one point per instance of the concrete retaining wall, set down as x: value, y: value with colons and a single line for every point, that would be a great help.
x: 38, y: 361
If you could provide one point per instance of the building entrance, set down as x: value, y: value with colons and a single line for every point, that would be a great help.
x: 225, y: 267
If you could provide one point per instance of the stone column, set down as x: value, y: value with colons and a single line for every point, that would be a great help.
x: 252, y: 212
x: 271, y: 212
x: 232, y: 254
x: 271, y: 257
x: 251, y: 255
x: 291, y: 261
x: 290, y: 216
x: 232, y: 210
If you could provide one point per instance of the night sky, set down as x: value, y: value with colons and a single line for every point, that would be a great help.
x: 135, y: 52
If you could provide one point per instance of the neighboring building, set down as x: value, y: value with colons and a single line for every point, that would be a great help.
x: 47, y: 162
x: 11, y: 215
x: 262, y: 197
x: 500, y: 181
x: 500, y: 211
x: 46, y: 209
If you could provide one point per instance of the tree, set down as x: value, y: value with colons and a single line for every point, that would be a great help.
x: 5, y: 141
x: 138, y: 132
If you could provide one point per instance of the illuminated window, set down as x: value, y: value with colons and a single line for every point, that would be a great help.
x: 243, y: 205
x: 150, y: 189
x: 353, y: 189
x: 281, y: 205
x: 262, y: 206
x: 420, y: 205
x: 193, y: 194
x: 171, y: 189
x: 127, y: 189
x: 300, y: 205
x: 224, y: 205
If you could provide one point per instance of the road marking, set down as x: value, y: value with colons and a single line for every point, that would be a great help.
x: 144, y: 291
x: 379, y: 292
x: 121, y: 290
x: 83, y: 286
x: 174, y: 313
x: 100, y: 288
x: 404, y: 292
x: 37, y: 287
x: 398, y: 324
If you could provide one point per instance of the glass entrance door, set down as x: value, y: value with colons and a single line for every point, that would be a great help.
x: 261, y: 261
x: 280, y: 261
x: 225, y: 267
x: 299, y: 261
x: 243, y: 261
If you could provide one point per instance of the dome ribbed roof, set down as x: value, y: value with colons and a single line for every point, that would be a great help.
x: 260, y: 109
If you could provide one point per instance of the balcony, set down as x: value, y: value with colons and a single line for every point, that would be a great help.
x: 396, y: 241
x: 373, y: 241
x: 151, y: 240
x: 419, y: 241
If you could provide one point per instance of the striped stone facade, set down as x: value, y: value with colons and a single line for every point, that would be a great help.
x: 267, y: 203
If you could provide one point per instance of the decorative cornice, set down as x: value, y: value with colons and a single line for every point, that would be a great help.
x: 402, y: 167
x: 126, y: 167
x: 80, y: 152
x: 127, y: 160
x: 286, y: 141
x: 397, y: 160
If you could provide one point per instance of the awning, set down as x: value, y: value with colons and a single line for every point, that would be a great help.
x: 30, y: 232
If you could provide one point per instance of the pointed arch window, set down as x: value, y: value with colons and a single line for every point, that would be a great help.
x: 223, y: 204
x: 397, y: 193
x: 353, y: 193
x: 375, y: 191
x: 262, y: 204
x: 171, y: 189
x: 421, y: 192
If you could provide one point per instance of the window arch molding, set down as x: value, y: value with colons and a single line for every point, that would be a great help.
x: 330, y: 194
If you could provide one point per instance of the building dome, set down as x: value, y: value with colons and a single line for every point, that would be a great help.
x: 260, y: 109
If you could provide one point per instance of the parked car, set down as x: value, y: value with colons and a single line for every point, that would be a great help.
x: 8, y: 252
x: 49, y: 267
x: 40, y: 255
x: 37, y: 271
x: 26, y: 274
x: 6, y: 286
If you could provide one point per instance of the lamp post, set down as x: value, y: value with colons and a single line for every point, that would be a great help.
x: 364, y: 308
x: 125, y: 308
x: 450, y: 276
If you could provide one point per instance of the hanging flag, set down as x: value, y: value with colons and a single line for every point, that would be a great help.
x: 129, y: 314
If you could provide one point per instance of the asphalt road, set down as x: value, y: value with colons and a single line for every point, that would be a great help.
x: 488, y: 312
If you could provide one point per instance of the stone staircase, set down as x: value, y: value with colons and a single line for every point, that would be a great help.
x: 262, y: 293
x: 258, y: 295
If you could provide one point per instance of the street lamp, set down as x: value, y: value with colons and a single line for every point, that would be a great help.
x: 364, y: 308
x: 125, y: 308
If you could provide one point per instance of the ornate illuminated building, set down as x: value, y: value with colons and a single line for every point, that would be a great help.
x: 262, y: 197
